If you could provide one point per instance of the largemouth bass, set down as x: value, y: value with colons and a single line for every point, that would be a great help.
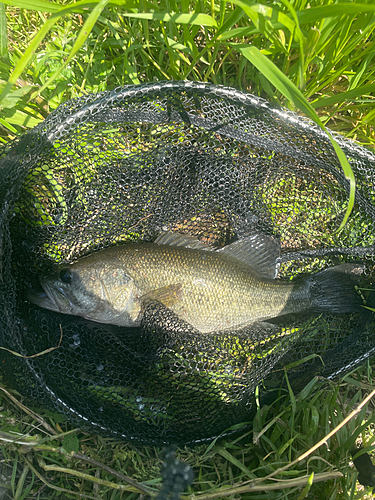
x: 211, y: 290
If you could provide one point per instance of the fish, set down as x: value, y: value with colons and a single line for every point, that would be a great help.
x: 212, y: 290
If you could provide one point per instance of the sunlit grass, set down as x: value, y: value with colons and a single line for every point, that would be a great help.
x: 49, y: 455
x: 326, y: 51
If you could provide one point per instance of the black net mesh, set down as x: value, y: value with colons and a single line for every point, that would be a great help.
x: 212, y: 162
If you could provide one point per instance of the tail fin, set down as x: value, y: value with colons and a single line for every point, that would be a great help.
x: 332, y: 290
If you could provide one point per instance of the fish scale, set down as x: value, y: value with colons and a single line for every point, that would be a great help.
x: 217, y: 291
x: 210, y: 290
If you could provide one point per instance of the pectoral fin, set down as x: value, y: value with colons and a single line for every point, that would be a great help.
x: 167, y: 295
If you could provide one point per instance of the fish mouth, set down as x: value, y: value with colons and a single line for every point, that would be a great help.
x: 53, y: 299
x: 41, y: 299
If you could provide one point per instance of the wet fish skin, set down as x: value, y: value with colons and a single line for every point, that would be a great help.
x: 210, y: 290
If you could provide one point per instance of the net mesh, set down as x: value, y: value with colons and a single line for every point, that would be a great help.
x: 212, y: 162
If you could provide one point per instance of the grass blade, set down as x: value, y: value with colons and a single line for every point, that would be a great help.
x: 3, y: 34
x: 307, y: 488
x: 193, y: 19
x: 225, y: 454
x: 21, y: 118
x: 314, y: 14
x: 233, y: 19
x: 345, y: 96
x: 39, y: 5
x: 291, y: 92
x: 8, y: 126
x: 27, y: 56
x: 279, y: 80
x: 301, y: 39
x: 254, y: 10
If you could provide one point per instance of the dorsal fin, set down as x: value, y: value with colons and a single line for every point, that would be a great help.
x: 258, y: 251
x: 181, y: 240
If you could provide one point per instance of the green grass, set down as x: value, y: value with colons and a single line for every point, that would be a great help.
x: 51, y: 457
x: 314, y: 57
x: 324, y: 53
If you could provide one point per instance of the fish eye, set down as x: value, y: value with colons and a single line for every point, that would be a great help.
x: 66, y: 276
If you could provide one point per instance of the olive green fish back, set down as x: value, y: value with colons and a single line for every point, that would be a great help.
x: 212, y: 162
